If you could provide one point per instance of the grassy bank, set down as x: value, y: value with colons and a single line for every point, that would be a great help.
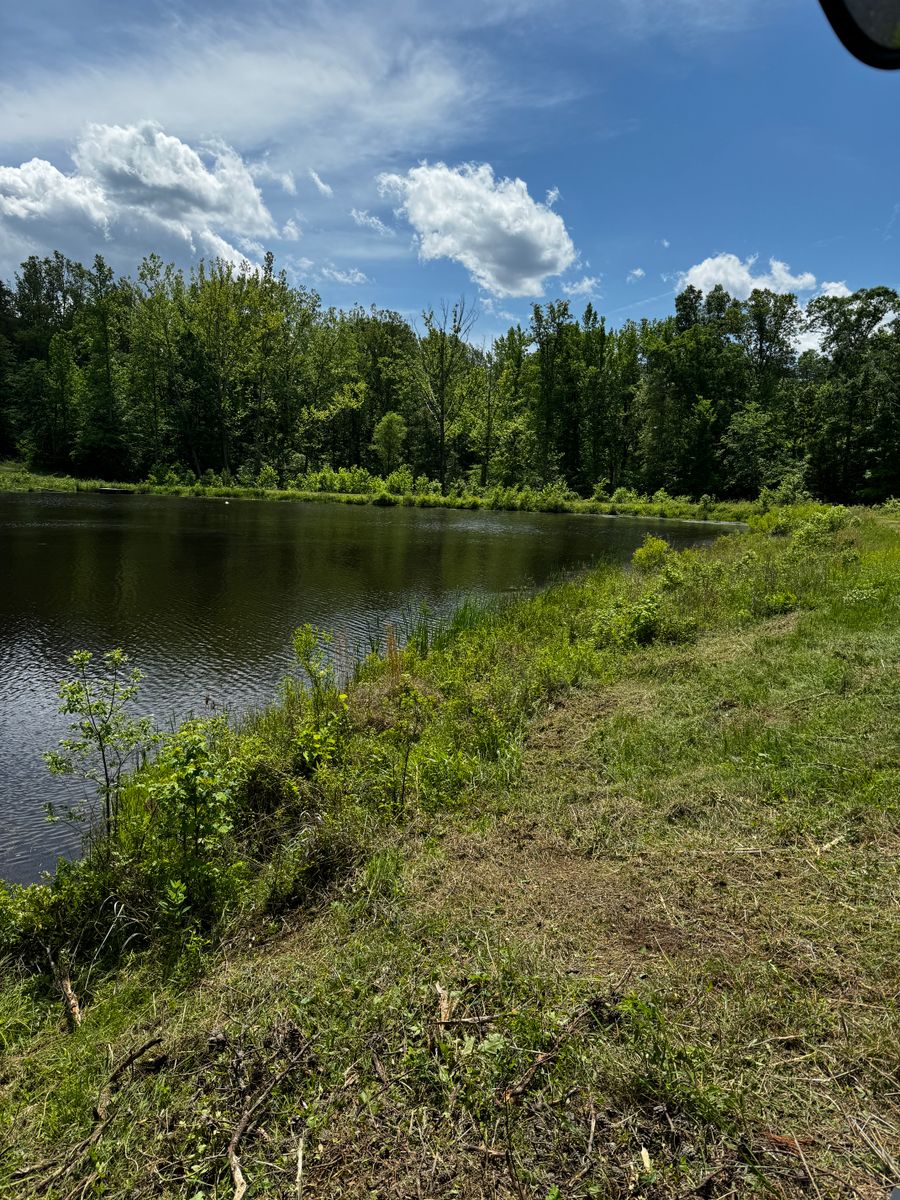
x: 15, y: 478
x: 586, y: 896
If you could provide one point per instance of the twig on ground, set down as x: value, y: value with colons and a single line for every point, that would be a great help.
x: 299, y: 1177
x: 101, y: 1120
x: 234, y: 1162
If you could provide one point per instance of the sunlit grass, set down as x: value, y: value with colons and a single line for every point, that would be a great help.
x: 628, y: 929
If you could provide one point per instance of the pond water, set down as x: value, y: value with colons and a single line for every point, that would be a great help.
x: 203, y: 596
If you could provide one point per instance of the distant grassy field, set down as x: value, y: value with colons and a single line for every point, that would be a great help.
x: 14, y: 478
x: 604, y: 905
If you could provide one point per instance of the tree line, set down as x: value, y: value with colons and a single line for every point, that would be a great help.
x: 224, y: 374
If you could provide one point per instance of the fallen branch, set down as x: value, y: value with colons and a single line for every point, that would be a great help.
x: 106, y: 1094
x: 485, y: 1020
x: 101, y: 1120
x: 596, y: 1006
x: 234, y: 1162
x: 73, y: 1008
x: 64, y: 983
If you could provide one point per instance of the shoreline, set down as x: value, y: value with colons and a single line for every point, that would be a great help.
x: 14, y: 479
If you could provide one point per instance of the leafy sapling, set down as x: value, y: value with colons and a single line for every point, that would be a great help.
x: 106, y: 738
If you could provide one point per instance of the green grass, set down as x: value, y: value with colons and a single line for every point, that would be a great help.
x: 630, y: 931
x: 16, y: 478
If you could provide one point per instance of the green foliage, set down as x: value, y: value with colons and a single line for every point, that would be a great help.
x: 267, y: 476
x: 399, y: 481
x: 641, y: 622
x: 106, y: 737
x: 388, y: 440
x: 311, y: 654
x: 229, y: 376
x: 652, y: 555
x: 189, y: 807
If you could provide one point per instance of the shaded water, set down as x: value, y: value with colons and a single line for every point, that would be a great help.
x: 203, y: 596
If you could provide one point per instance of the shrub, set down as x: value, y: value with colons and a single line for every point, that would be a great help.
x: 652, y: 555
x: 267, y: 477
x: 399, y: 481
x: 776, y: 603
x: 189, y: 798
x: 623, y: 495
x: 640, y: 623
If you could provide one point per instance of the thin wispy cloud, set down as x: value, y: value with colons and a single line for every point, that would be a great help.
x: 350, y: 276
x: 588, y: 285
x: 324, y: 189
x: 366, y: 220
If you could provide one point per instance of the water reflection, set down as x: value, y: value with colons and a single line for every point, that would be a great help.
x: 204, y: 595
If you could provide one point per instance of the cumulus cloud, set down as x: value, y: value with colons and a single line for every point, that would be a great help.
x: 144, y: 169
x: 325, y: 188
x: 37, y: 191
x: 588, y: 285
x: 508, y: 242
x: 836, y: 287
x: 137, y: 182
x: 635, y: 274
x: 366, y: 220
x: 738, y: 278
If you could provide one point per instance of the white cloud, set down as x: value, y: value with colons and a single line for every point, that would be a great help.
x: 37, y: 191
x: 290, y: 230
x: 665, y: 243
x: 325, y: 188
x: 329, y: 85
x: 265, y: 170
x: 508, y: 242
x: 367, y: 221
x: 635, y: 274
x: 353, y: 275
x: 552, y: 197
x: 737, y: 276
x: 143, y: 169
x: 217, y: 247
x: 588, y: 285
x: 137, y: 183
x: 835, y: 288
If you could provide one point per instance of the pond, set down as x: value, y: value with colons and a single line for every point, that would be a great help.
x: 203, y: 596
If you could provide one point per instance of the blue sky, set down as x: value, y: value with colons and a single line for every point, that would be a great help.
x: 510, y: 151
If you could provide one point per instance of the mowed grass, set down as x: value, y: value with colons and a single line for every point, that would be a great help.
x: 643, y: 943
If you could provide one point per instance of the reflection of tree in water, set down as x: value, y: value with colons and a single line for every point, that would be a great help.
x: 879, y: 19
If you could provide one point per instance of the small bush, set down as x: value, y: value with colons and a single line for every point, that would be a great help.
x: 399, y: 481
x: 776, y: 603
x: 267, y: 477
x: 652, y: 555
x: 640, y: 623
